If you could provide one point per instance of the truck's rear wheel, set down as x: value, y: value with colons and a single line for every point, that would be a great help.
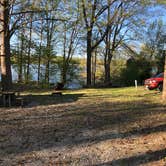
x: 160, y: 87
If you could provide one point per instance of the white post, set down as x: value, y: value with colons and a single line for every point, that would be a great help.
x: 164, y: 47
x: 136, y: 85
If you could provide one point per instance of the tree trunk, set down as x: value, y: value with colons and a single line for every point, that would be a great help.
x: 107, y: 73
x: 6, y: 64
x: 38, y: 70
x: 47, y: 69
x: 107, y: 70
x: 108, y: 58
x: 63, y: 70
x: 89, y: 58
x: 164, y: 83
x: 29, y: 51
x: 39, y: 57
x: 47, y: 73
x: 20, y: 72
x: 63, y: 74
x: 6, y: 75
x: 50, y: 30
x: 94, y: 61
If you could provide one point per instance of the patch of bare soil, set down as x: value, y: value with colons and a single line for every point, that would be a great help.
x: 84, y: 132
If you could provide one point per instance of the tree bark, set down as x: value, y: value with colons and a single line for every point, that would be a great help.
x: 108, y: 57
x: 107, y: 71
x: 94, y: 61
x: 164, y: 83
x: 6, y: 76
x: 39, y: 57
x: 47, y: 74
x: 29, y: 51
x: 47, y: 69
x: 64, y: 74
x: 20, y: 72
x: 50, y: 30
x: 63, y: 70
x: 39, y: 66
x: 89, y: 58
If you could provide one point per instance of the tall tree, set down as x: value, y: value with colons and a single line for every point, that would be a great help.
x: 50, y: 26
x: 113, y: 38
x: 40, y: 52
x: 117, y: 31
x: 6, y: 76
x: 29, y: 48
x: 125, y: 17
x: 11, y: 15
x: 93, y: 12
x: 70, y: 43
x: 20, y: 57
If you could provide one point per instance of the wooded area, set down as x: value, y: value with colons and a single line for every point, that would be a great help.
x: 52, y: 37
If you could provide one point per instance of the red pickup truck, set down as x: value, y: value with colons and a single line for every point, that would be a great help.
x: 155, y: 82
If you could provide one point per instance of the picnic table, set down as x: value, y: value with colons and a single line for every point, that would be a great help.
x: 7, y: 98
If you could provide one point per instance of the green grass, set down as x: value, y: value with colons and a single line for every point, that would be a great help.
x: 129, y: 94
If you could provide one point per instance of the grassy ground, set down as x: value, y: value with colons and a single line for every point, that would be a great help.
x: 97, y: 127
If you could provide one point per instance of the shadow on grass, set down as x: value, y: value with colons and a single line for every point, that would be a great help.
x: 38, y: 100
x: 137, y: 160
x: 79, y: 125
x: 30, y: 101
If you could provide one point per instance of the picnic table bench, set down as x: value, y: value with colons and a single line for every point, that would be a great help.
x: 7, y: 98
x: 10, y: 98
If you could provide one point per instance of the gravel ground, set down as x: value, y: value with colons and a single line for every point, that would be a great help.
x: 95, y: 129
